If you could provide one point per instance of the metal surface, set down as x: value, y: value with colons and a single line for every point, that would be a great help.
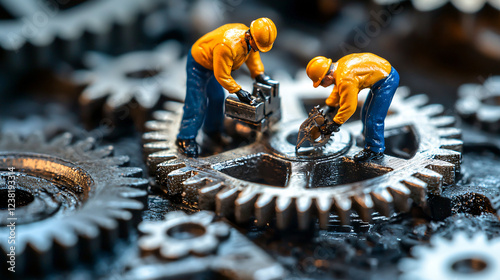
x: 215, y: 247
x: 463, y: 257
x: 72, y: 201
x: 266, y: 178
x: 464, y: 6
x: 77, y: 25
x: 141, y: 78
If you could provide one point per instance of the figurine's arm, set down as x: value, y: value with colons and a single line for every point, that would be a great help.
x: 348, y: 102
x: 223, y: 64
x: 334, y: 98
x: 254, y: 64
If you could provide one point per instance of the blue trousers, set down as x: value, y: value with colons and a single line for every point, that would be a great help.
x: 375, y: 110
x: 204, y: 101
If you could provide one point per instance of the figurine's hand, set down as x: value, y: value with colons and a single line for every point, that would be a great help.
x: 263, y: 79
x: 244, y: 96
x: 330, y: 127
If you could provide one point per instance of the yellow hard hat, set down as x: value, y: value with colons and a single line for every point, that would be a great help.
x: 264, y: 33
x: 317, y: 69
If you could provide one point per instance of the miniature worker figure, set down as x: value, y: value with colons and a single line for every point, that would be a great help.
x: 351, y: 74
x: 209, y: 66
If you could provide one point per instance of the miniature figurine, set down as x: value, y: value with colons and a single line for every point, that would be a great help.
x: 349, y: 75
x: 209, y: 66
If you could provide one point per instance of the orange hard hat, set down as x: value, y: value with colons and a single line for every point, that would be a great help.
x: 317, y: 69
x: 264, y: 33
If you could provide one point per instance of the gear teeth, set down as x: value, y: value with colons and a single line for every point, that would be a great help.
x: 173, y: 106
x: 176, y: 177
x: 244, y: 205
x: 450, y: 132
x: 130, y: 171
x: 324, y: 207
x: 153, y: 147
x: 156, y: 125
x: 443, y: 121
x: 224, y: 201
x: 452, y: 144
x: 193, y: 186
x: 155, y: 136
x: 382, y: 201
x: 432, y: 110
x: 401, y: 194
x: 449, y: 156
x: 159, y: 161
x: 34, y: 139
x: 342, y: 208
x: 103, y: 152
x: 207, y: 195
x: 169, y: 164
x: 85, y: 145
x: 284, y: 211
x: 304, y: 211
x: 62, y: 140
x: 417, y: 100
x: 363, y: 204
x: 417, y: 189
x: 264, y: 208
x: 433, y: 179
x: 446, y: 169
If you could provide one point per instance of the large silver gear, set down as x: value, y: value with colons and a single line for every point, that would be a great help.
x: 267, y: 177
x: 72, y: 200
x: 144, y: 77
x: 464, y: 6
x: 37, y: 24
x: 460, y: 258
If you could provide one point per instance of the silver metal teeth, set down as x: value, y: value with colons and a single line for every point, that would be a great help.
x: 401, y: 181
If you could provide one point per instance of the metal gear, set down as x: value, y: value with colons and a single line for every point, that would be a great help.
x: 143, y: 77
x: 232, y: 255
x: 480, y: 104
x: 37, y: 24
x: 464, y: 6
x: 268, y: 177
x: 181, y: 234
x: 463, y: 257
x: 72, y: 200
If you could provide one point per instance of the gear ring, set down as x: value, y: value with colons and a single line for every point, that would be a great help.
x: 144, y: 77
x: 73, y: 200
x: 181, y: 234
x: 459, y: 258
x: 290, y: 187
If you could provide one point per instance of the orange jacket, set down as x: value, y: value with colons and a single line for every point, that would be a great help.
x: 353, y: 73
x: 224, y: 50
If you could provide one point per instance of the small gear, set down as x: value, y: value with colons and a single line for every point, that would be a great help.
x: 144, y: 78
x: 181, y: 234
x: 37, y: 24
x: 480, y: 104
x: 267, y: 177
x: 463, y: 257
x: 464, y: 6
x: 71, y: 200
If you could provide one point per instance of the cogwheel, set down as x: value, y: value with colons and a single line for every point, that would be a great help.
x: 480, y: 104
x: 464, y: 6
x: 37, y: 24
x: 72, y: 200
x: 181, y: 234
x: 267, y: 177
x: 463, y: 257
x: 143, y: 77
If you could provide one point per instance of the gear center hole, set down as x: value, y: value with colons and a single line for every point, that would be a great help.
x: 469, y: 265
x: 21, y: 198
x: 143, y: 74
x: 186, y: 231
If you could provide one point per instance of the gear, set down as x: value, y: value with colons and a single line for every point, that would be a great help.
x: 464, y: 6
x: 72, y: 200
x: 181, y: 234
x: 267, y: 176
x: 216, y: 247
x: 480, y: 104
x: 38, y: 24
x: 144, y: 77
x: 460, y: 258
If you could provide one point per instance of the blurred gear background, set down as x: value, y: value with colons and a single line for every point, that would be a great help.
x: 101, y: 70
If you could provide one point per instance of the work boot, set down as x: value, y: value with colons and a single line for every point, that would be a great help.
x: 366, y: 155
x: 188, y: 146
